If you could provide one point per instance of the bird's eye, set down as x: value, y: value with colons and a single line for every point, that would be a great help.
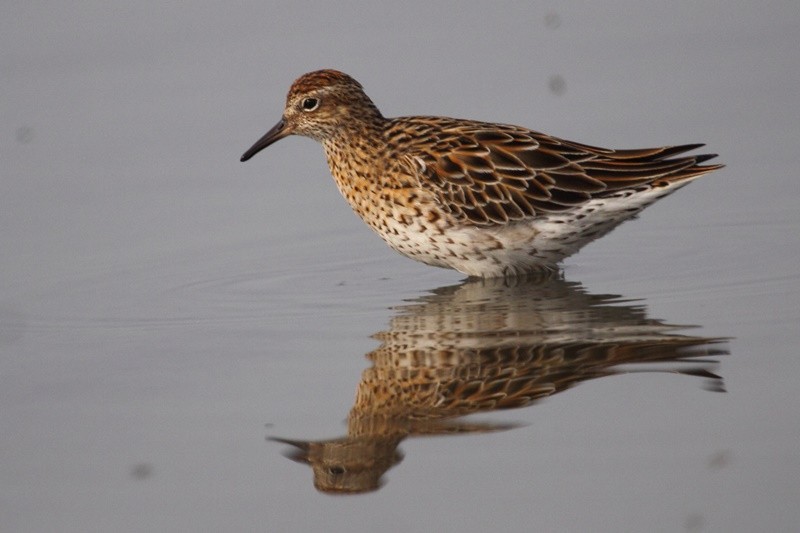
x: 310, y: 104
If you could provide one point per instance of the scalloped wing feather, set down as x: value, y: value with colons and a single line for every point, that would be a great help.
x: 495, y: 173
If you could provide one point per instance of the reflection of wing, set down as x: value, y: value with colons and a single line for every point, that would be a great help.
x: 486, y: 345
x: 509, y: 377
x: 490, y: 173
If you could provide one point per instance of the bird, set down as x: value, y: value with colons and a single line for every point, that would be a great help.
x: 488, y: 200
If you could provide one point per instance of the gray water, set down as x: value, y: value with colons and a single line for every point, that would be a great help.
x: 167, y: 313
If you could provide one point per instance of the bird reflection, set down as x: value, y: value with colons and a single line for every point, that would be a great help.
x: 485, y: 345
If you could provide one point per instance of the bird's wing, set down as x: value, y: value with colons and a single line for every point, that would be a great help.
x: 491, y: 174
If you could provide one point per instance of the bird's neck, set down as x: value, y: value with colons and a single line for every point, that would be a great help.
x: 357, y: 141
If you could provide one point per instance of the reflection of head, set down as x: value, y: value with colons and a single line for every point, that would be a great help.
x: 347, y: 465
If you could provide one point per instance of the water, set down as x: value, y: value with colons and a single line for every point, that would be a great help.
x: 170, y: 317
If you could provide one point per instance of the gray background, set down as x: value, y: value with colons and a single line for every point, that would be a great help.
x: 160, y: 302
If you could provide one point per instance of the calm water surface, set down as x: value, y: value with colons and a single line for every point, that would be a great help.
x: 191, y: 344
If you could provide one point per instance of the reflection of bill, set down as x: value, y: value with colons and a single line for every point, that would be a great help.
x: 487, y: 345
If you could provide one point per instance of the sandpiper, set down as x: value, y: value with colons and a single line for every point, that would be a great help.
x: 485, y: 199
